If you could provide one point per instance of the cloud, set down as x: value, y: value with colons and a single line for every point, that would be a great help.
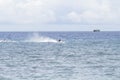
x: 29, y: 11
x: 59, y: 11
x: 94, y: 12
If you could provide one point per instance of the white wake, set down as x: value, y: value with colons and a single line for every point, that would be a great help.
x: 3, y: 40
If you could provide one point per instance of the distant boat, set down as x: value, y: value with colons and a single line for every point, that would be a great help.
x: 96, y: 30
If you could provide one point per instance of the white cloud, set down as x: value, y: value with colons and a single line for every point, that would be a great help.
x: 29, y: 11
x: 59, y: 11
x: 94, y: 12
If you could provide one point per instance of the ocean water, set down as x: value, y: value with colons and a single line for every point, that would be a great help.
x: 80, y: 56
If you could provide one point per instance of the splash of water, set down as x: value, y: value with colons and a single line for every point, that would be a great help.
x: 37, y: 38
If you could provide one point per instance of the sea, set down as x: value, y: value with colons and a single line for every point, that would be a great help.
x: 78, y: 56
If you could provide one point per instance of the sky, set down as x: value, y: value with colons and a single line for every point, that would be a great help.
x: 59, y: 15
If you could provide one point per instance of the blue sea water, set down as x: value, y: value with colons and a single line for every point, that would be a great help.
x: 80, y: 56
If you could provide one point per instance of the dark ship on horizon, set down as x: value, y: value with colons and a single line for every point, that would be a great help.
x: 96, y: 30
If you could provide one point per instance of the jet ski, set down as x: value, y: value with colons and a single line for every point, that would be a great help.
x: 60, y: 41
